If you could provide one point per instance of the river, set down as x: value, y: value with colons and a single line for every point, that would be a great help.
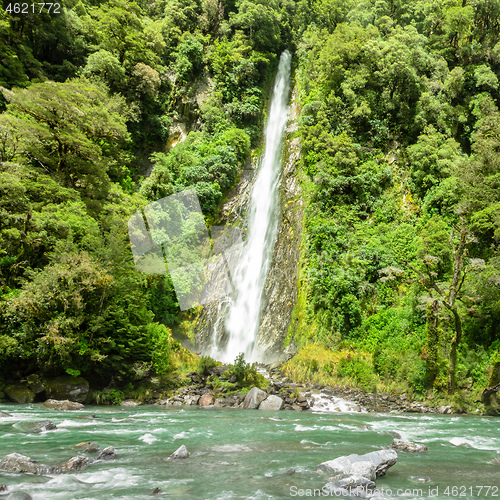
x: 247, y: 454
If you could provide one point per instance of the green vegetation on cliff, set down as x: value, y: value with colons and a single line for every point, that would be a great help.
x: 400, y: 141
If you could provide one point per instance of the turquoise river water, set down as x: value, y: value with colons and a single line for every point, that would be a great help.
x: 248, y: 454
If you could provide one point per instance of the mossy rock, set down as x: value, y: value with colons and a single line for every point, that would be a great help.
x: 19, y: 393
x: 67, y: 387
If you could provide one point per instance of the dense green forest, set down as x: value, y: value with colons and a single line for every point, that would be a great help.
x: 400, y: 173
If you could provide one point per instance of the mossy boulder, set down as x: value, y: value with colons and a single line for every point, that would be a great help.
x: 67, y: 387
x: 35, y: 383
x: 19, y: 393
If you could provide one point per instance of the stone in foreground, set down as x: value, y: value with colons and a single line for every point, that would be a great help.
x: 39, y: 427
x: 63, y: 405
x: 377, y: 462
x: 15, y: 462
x: 181, y: 452
x: 400, y: 445
x: 254, y: 398
x: 356, y: 486
x: 18, y: 495
x: 272, y: 403
x: 107, y: 454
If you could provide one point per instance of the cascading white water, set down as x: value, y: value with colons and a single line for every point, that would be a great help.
x: 242, y: 323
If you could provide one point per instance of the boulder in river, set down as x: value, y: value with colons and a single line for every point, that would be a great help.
x: 180, y: 452
x: 64, y: 405
x: 75, y: 464
x: 206, y: 400
x: 5, y: 414
x: 272, y: 403
x: 107, y: 454
x: 38, y: 427
x: 400, y: 445
x: 3, y: 487
x: 346, y: 466
x: 15, y: 462
x: 254, y: 398
x: 68, y: 387
x: 19, y: 393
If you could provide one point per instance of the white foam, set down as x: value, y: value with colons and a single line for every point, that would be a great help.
x: 230, y: 448
x: 148, y: 438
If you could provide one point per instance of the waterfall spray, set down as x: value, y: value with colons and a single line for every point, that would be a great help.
x: 242, y: 323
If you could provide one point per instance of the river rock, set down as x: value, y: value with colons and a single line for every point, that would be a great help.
x: 272, y: 403
x: 156, y: 491
x: 180, y: 452
x: 19, y: 393
x: 68, y: 387
x: 18, y: 495
x: 5, y: 414
x: 345, y: 466
x: 63, y: 405
x: 15, y: 462
x: 206, y: 400
x: 38, y: 427
x: 107, y: 454
x: 254, y: 398
x: 87, y: 447
x: 400, y: 445
x: 3, y: 487
x: 445, y: 409
x: 496, y: 460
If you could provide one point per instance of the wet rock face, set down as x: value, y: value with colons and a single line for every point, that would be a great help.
x: 180, y: 453
x: 107, y: 454
x: 280, y: 289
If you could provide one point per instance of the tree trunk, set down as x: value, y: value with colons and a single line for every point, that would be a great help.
x: 432, y: 343
x: 452, y: 381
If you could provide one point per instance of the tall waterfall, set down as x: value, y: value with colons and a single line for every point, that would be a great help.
x: 242, y: 322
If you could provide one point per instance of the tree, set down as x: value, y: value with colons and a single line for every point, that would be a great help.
x: 448, y: 295
x: 74, y: 131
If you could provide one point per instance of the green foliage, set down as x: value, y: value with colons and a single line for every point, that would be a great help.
x: 159, y: 341
x: 206, y: 362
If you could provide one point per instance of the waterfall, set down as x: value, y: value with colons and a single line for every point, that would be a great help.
x: 242, y: 322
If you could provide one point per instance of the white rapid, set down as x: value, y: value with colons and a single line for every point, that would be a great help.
x: 242, y: 322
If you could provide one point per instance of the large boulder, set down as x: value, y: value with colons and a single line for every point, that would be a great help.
x: 206, y: 400
x: 63, y: 405
x: 68, y: 387
x: 400, y: 445
x: 377, y: 462
x: 272, y: 403
x: 254, y: 398
x: 15, y: 462
x: 180, y: 452
x: 19, y: 393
